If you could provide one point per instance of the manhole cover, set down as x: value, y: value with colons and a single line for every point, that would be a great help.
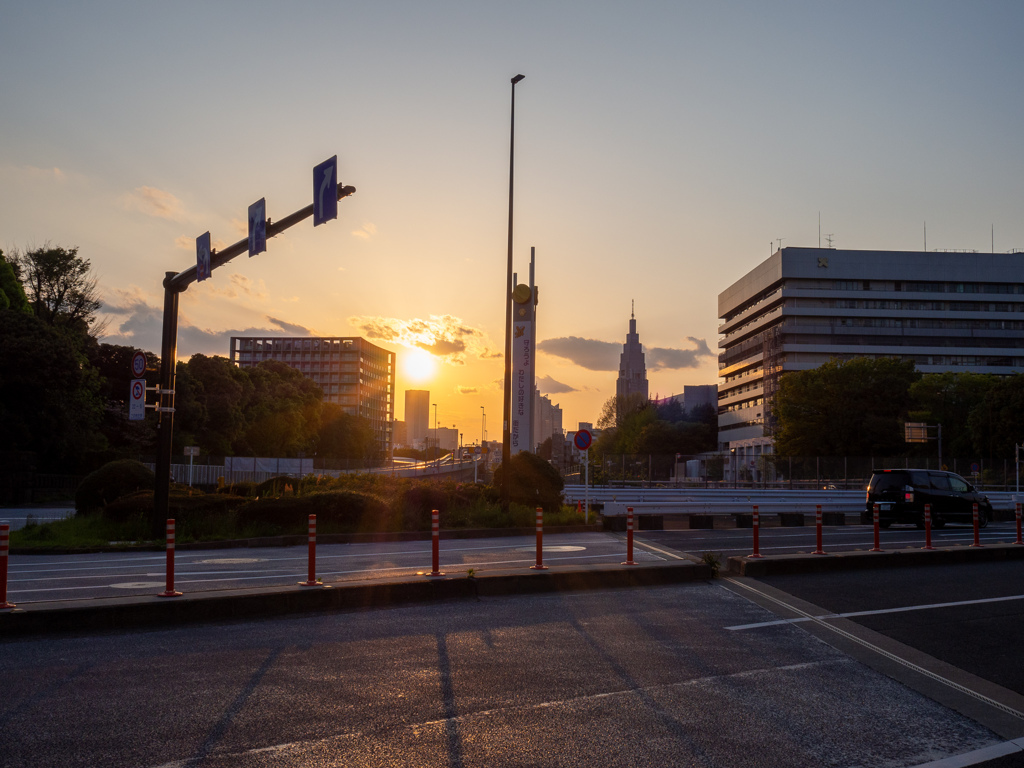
x: 232, y: 560
x: 552, y: 549
x: 138, y: 585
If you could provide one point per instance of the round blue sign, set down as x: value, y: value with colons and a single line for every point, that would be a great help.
x: 582, y: 439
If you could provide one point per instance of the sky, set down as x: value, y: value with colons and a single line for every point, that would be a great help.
x: 662, y: 150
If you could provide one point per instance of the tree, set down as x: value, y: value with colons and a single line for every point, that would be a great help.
x: 12, y: 294
x: 50, y: 401
x: 534, y: 482
x: 59, y: 286
x: 344, y: 436
x: 283, y: 412
x: 997, y: 422
x: 949, y: 399
x: 851, y: 408
x: 211, y: 398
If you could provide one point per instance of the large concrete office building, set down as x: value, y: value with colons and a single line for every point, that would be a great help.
x: 352, y: 372
x: 946, y: 311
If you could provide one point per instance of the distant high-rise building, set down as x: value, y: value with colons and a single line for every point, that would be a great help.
x: 352, y: 372
x: 417, y: 416
x: 547, y: 420
x: 632, y: 368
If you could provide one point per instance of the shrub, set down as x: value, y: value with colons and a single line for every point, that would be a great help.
x: 534, y: 482
x: 276, y: 486
x: 111, y: 482
x: 336, y: 512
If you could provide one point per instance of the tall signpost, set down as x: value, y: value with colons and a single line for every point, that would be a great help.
x: 524, y: 335
x: 326, y: 194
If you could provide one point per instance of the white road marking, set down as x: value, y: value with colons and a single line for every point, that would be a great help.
x: 977, y: 756
x: 877, y: 612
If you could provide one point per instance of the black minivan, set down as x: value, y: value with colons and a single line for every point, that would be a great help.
x: 902, y: 493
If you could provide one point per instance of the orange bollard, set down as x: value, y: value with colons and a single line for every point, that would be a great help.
x: 878, y: 546
x: 629, y: 537
x: 977, y: 530
x: 540, y: 542
x: 169, y: 586
x: 817, y: 523
x: 311, y: 575
x: 435, y: 546
x: 927, y: 527
x: 756, y: 524
x: 5, y: 543
x: 1019, y: 540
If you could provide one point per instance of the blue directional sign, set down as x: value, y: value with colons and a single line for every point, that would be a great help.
x: 325, y: 191
x: 203, y: 268
x: 258, y: 227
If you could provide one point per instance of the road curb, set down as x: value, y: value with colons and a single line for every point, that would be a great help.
x: 776, y: 565
x: 115, y: 614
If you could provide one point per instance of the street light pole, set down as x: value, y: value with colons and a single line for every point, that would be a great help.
x: 506, y: 437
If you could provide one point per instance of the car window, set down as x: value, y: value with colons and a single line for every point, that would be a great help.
x: 887, y: 481
x: 957, y: 484
x: 940, y: 481
x: 919, y: 479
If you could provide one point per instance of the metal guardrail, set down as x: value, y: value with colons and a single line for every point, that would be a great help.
x: 661, y: 501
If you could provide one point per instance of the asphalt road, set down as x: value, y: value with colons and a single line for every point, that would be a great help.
x: 37, y: 578
x: 649, y: 677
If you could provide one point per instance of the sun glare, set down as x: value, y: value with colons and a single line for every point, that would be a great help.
x: 418, y: 364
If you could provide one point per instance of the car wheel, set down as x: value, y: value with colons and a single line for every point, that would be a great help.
x: 884, y: 523
x: 983, y: 516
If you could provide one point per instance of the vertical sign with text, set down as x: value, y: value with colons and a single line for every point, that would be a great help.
x: 522, y: 386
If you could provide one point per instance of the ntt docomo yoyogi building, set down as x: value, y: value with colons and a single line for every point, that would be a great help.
x: 946, y: 311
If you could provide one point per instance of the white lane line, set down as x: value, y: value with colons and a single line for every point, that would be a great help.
x: 880, y: 651
x: 879, y: 611
x: 982, y: 755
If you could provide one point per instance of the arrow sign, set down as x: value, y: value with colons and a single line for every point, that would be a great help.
x: 325, y: 191
x: 258, y: 227
x: 203, y: 270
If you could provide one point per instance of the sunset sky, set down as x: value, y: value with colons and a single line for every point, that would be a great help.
x: 663, y: 149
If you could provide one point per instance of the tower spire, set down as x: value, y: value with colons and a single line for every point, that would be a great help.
x: 632, y: 309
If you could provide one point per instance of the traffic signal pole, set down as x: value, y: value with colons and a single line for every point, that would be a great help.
x: 175, y: 283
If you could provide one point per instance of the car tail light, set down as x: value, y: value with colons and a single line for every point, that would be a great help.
x: 908, y: 495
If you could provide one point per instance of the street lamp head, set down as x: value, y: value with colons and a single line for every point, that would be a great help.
x: 517, y: 78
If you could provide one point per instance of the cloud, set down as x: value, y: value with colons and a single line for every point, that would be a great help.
x: 466, y: 390
x: 137, y: 320
x: 597, y: 355
x: 549, y: 386
x: 365, y: 232
x: 591, y: 354
x: 445, y: 336
x: 154, y: 202
x: 292, y: 328
x: 672, y: 359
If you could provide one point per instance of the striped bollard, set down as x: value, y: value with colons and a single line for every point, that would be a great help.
x: 435, y: 542
x: 629, y: 537
x: 540, y: 542
x: 1019, y: 540
x: 878, y: 545
x: 311, y: 575
x: 817, y: 524
x: 977, y: 528
x: 755, y: 524
x: 5, y: 537
x: 169, y: 586
x: 927, y: 527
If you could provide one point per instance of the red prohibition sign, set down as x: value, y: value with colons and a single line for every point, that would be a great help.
x: 137, y: 390
x: 582, y: 439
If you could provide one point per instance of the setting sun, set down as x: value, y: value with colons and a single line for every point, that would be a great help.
x: 418, y: 364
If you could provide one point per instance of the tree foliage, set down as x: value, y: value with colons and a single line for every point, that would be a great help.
x: 533, y: 482
x: 60, y: 287
x: 844, y: 408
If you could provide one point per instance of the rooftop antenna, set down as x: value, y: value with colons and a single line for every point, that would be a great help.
x: 993, y: 238
x: 819, y: 229
x: 828, y: 239
x: 779, y: 240
x: 926, y: 235
x: 632, y: 309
